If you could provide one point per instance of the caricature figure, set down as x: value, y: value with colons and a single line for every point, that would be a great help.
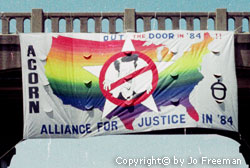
x: 125, y: 66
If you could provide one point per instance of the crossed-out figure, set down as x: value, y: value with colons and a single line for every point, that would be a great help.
x: 128, y: 90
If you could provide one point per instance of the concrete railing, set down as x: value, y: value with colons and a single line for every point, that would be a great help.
x: 9, y: 42
x: 129, y: 17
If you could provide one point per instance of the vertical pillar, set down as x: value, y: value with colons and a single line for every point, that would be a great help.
x: 55, y: 24
x: 5, y: 26
x: 19, y: 24
x: 238, y: 24
x: 221, y: 19
x: 84, y: 24
x: 190, y: 23
x: 98, y: 24
x: 69, y: 25
x: 203, y: 23
x: 161, y: 23
x: 112, y: 25
x: 147, y: 23
x: 175, y: 23
x: 129, y: 20
x: 37, y: 24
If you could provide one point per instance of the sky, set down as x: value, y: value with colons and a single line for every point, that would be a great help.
x: 120, y: 5
x: 104, y: 150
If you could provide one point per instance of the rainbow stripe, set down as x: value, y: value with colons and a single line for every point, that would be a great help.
x: 64, y: 67
x: 70, y: 82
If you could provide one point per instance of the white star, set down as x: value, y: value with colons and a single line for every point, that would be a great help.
x: 149, y: 102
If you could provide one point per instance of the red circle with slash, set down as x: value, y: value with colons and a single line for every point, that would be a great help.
x: 125, y: 103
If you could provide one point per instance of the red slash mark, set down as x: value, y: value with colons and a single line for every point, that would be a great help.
x: 130, y: 76
x: 124, y: 103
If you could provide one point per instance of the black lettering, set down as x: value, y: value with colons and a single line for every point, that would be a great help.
x: 31, y: 51
x: 33, y: 91
x: 33, y: 78
x: 34, y: 106
x: 74, y: 129
x: 88, y: 129
x: 31, y: 64
x: 44, y: 129
x: 67, y: 130
x: 82, y: 129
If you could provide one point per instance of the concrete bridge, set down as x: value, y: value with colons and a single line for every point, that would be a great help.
x: 10, y: 62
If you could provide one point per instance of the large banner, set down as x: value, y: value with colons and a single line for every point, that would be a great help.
x: 88, y: 84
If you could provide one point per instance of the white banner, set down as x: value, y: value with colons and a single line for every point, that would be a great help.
x: 88, y: 84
